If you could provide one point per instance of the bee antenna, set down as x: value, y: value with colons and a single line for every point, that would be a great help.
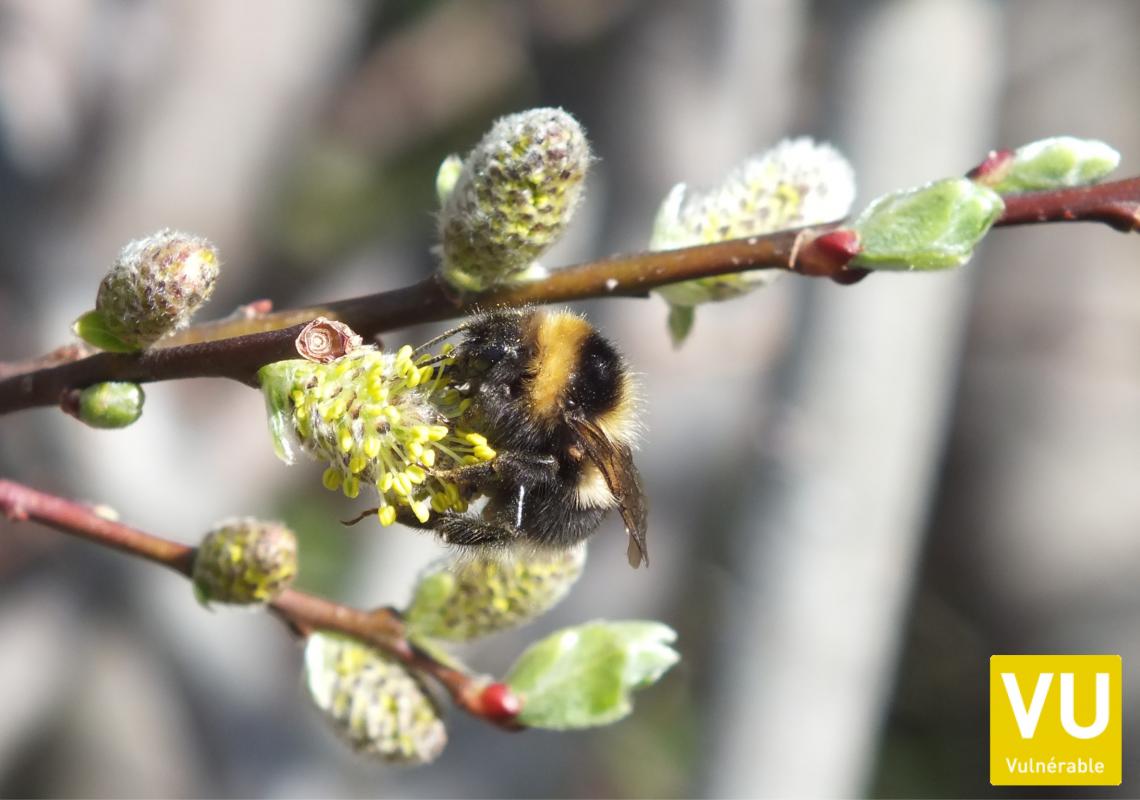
x: 445, y: 335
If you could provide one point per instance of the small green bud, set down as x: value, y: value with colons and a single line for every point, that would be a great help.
x: 390, y: 421
x: 513, y: 198
x: 109, y: 405
x: 463, y: 598
x: 798, y: 182
x: 372, y: 701
x: 1055, y: 163
x: 934, y: 226
x: 245, y: 562
x: 155, y: 286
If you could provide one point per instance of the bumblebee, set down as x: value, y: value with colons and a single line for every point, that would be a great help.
x: 560, y: 406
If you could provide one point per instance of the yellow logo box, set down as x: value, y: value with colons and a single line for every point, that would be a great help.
x: 1056, y: 720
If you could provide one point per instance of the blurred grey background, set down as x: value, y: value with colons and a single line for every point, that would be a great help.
x: 858, y: 494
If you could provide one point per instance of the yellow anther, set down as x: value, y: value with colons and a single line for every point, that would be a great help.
x: 351, y: 487
x: 392, y: 413
x: 439, y: 503
x: 437, y: 432
x: 468, y: 460
x: 371, y: 446
x: 331, y: 478
x: 385, y: 483
x: 465, y: 404
x: 404, y: 353
x: 428, y: 458
x: 412, y: 378
x: 415, y: 450
x: 420, y: 433
x: 345, y: 441
x: 420, y: 509
x: 387, y: 515
x: 415, y: 473
x: 401, y: 485
x: 357, y: 463
x: 425, y: 374
x: 476, y: 438
x: 483, y: 452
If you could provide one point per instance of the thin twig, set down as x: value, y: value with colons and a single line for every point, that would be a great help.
x: 237, y: 348
x: 302, y: 613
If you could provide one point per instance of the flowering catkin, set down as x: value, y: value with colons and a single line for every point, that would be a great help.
x: 385, y: 420
x: 372, y: 701
x: 156, y: 285
x: 462, y: 598
x: 513, y: 197
x: 245, y: 561
x: 797, y: 182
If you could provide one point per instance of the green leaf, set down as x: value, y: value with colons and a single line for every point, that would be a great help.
x: 92, y: 328
x: 1055, y: 163
x: 582, y: 677
x: 935, y: 226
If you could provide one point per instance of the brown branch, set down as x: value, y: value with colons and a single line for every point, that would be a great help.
x: 303, y: 613
x: 237, y: 348
x: 1116, y: 204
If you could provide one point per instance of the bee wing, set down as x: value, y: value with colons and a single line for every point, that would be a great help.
x: 615, y: 462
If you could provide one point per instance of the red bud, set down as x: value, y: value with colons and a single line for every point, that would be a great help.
x: 499, y: 702
x: 842, y: 244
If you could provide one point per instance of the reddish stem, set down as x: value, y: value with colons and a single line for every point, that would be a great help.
x: 303, y: 613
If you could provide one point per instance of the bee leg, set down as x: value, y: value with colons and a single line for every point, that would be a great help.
x: 472, y: 531
x: 525, y: 468
x: 507, y: 467
x: 469, y: 475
